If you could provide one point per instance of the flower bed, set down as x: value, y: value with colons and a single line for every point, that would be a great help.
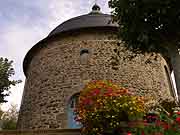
x: 106, y: 108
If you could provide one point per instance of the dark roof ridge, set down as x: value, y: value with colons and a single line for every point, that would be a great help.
x: 85, y: 21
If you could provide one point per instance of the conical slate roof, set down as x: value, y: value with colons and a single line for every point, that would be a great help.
x: 92, y: 20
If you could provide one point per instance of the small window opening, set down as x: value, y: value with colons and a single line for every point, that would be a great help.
x: 83, y: 51
x: 84, y: 56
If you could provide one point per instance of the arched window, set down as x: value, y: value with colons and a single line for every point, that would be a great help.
x: 84, y: 56
x: 71, y: 115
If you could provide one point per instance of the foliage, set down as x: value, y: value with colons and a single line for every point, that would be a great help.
x: 9, y: 118
x: 145, y: 24
x: 103, y: 105
x: 6, y: 71
x: 159, y: 123
x: 106, y: 108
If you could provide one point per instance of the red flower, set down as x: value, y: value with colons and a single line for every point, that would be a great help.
x: 87, y: 101
x: 96, y: 92
x: 178, y: 119
x: 178, y: 113
x: 109, y: 90
x: 166, y: 126
x: 129, y: 133
x: 142, y: 133
x: 145, y: 123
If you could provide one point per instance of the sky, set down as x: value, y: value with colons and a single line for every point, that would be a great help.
x: 25, y: 22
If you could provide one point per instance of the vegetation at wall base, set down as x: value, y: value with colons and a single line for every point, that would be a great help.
x: 8, y: 119
x: 105, y: 108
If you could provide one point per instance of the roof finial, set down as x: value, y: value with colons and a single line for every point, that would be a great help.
x: 95, y: 2
x: 96, y: 8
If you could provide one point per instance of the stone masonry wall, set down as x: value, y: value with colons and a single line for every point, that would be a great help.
x: 56, y: 73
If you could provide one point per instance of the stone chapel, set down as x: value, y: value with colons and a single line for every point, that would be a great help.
x: 77, y: 51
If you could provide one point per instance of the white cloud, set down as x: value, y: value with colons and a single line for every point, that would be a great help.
x: 17, y: 40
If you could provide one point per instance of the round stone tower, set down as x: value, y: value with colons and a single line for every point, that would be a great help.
x: 79, y: 50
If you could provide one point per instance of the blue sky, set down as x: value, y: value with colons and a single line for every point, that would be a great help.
x: 25, y: 22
